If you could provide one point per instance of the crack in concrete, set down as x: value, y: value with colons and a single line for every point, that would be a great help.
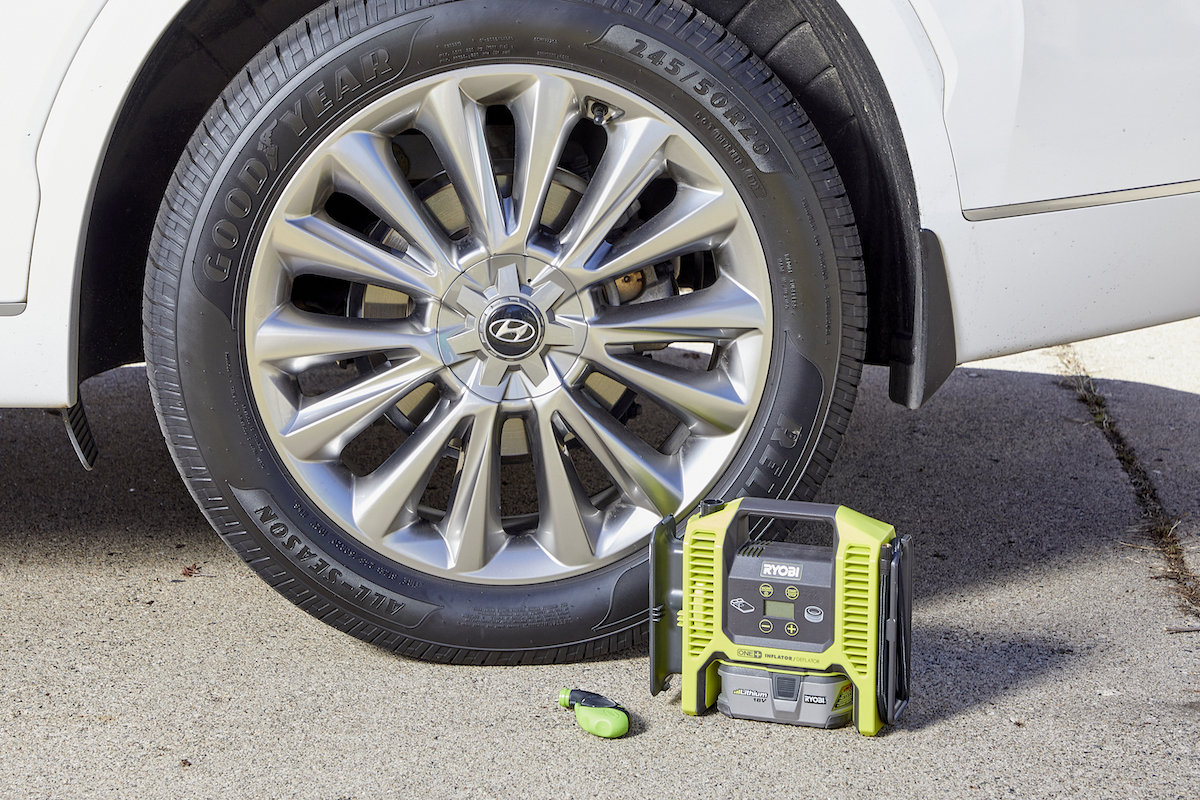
x: 1158, y: 524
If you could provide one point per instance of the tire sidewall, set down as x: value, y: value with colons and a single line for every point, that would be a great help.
x: 313, y: 561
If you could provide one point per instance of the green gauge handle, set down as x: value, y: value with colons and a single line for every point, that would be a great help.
x: 595, y: 713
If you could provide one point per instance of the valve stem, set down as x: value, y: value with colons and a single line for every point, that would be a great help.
x: 601, y: 113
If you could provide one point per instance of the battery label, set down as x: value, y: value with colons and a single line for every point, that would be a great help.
x: 774, y: 569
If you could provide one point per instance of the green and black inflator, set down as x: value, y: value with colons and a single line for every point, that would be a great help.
x: 783, y: 632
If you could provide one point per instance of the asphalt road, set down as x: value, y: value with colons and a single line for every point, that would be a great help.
x: 1042, y: 668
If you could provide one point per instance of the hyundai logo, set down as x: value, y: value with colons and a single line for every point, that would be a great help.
x: 513, y: 331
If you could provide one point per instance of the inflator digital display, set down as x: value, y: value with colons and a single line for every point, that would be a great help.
x: 778, y: 608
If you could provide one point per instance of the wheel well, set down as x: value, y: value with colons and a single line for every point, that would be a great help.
x: 809, y: 44
x: 814, y: 49
x: 198, y: 54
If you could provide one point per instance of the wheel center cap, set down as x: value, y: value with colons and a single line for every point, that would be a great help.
x: 512, y: 328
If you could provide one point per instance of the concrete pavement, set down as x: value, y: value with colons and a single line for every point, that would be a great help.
x: 1041, y: 665
x: 1150, y: 379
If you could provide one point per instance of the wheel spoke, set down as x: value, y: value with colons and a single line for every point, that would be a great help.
x: 365, y: 169
x: 635, y: 155
x: 570, y: 525
x: 471, y: 527
x: 294, y: 340
x: 534, y: 368
x: 647, y: 477
x: 454, y: 124
x: 707, y: 402
x: 323, y: 426
x: 695, y: 220
x: 543, y: 116
x: 722, y: 312
x: 315, y: 246
x: 493, y: 372
x: 394, y: 489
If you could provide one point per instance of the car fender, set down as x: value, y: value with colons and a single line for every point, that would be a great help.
x: 106, y: 64
x: 993, y: 268
x: 38, y: 62
x: 40, y: 356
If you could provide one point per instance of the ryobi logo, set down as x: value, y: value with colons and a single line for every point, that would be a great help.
x: 771, y: 569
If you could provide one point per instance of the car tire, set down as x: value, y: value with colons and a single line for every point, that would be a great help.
x: 447, y: 307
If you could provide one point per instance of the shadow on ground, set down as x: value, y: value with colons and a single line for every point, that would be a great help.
x: 1000, y: 478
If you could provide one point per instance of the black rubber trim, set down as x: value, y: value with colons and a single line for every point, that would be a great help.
x: 933, y: 348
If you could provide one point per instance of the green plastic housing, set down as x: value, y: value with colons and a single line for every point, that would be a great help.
x: 693, y: 589
x: 595, y: 713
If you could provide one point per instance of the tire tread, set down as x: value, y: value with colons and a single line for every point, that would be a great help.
x: 291, y: 52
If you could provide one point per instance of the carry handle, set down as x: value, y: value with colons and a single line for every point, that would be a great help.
x: 738, y: 532
x: 783, y: 509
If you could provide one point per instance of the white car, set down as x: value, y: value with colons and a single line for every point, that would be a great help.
x: 446, y: 305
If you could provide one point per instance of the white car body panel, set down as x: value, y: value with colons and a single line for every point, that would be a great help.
x: 1073, y: 97
x: 959, y: 85
x: 1026, y: 281
x: 40, y: 61
x: 38, y: 361
x: 1044, y: 279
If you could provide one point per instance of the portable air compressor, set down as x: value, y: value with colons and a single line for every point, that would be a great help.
x: 782, y: 632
